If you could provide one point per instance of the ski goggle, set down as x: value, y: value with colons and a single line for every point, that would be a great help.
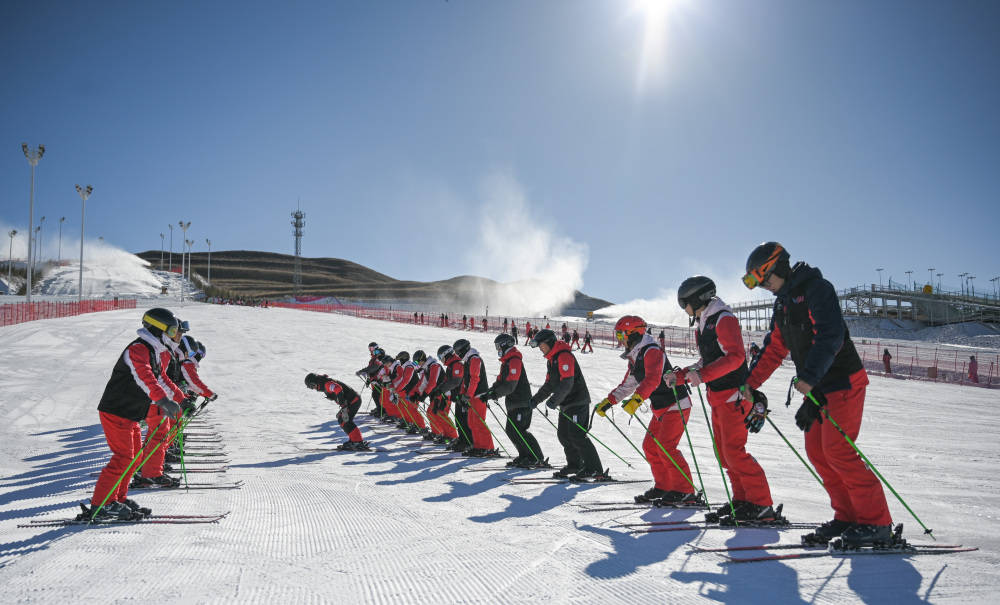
x: 759, y: 274
x: 621, y: 336
x: 184, y: 327
x: 170, y: 330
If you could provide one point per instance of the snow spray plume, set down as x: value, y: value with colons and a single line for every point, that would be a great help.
x: 542, y: 271
x: 664, y: 311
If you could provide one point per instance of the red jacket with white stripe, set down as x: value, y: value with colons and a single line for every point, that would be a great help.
x: 189, y: 369
x: 139, y: 378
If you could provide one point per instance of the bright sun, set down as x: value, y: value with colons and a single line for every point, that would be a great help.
x: 655, y: 15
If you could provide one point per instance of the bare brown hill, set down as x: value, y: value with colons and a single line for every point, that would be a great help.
x: 269, y: 275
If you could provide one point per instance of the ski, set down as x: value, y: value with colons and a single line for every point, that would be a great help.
x: 703, y: 525
x: 905, y: 552
x: 677, y: 506
x: 214, y: 454
x: 782, y: 523
x: 726, y: 549
x: 34, y: 522
x: 160, y: 520
x: 235, y: 485
x: 517, y: 469
x: 546, y: 481
x: 219, y: 469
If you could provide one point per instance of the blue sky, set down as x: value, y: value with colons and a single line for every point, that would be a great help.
x: 859, y: 134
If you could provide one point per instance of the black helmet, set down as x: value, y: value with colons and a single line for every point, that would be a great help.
x: 444, y: 351
x: 545, y: 336
x: 188, y: 345
x: 767, y: 258
x: 419, y: 356
x: 159, y: 320
x: 378, y: 352
x: 200, y: 350
x: 386, y: 359
x: 373, y: 345
x: 315, y: 381
x: 461, y: 347
x: 403, y: 356
x: 695, y: 291
x: 504, y: 342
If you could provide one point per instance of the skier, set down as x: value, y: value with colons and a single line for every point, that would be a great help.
x: 807, y: 322
x: 512, y: 383
x: 886, y: 361
x: 662, y: 338
x: 431, y: 372
x: 474, y: 385
x: 406, y: 380
x: 368, y: 374
x: 451, y: 387
x: 576, y: 339
x: 723, y: 369
x: 644, y: 380
x: 527, y: 332
x: 566, y: 390
x: 434, y: 375
x: 754, y: 352
x: 138, y: 382
x: 349, y: 402
x: 513, y: 331
x: 384, y: 378
x: 973, y: 369
x: 588, y: 342
x: 485, y: 324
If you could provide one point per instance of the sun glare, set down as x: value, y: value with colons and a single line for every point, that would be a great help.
x: 655, y: 15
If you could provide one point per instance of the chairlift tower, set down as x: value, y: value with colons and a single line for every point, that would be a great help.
x: 298, y: 223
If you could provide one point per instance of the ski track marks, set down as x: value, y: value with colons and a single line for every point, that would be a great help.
x: 390, y: 527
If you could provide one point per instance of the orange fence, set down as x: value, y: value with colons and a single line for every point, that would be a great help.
x: 908, y: 361
x: 21, y: 312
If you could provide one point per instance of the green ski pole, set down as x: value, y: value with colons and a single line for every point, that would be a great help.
x: 125, y: 472
x: 511, y: 422
x: 587, y: 432
x: 669, y: 457
x: 718, y: 456
x: 690, y: 444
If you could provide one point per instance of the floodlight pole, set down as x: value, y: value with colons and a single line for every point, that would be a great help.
x: 84, y: 194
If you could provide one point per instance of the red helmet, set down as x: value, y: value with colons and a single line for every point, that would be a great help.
x: 627, y: 327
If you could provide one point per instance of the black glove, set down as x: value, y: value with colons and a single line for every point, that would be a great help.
x: 212, y: 398
x: 489, y: 394
x: 551, y: 403
x: 168, y: 408
x: 809, y: 412
x: 754, y: 420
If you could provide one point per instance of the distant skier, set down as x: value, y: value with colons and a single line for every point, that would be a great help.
x: 138, y: 382
x: 512, y: 384
x: 973, y: 369
x: 588, y: 342
x: 662, y: 339
x: 349, y: 402
x: 576, y: 339
x: 886, y: 359
x: 527, y: 332
x: 808, y: 324
x: 566, y: 390
x: 722, y: 367
x: 754, y: 353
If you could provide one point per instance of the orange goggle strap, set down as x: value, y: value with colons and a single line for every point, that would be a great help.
x: 757, y: 275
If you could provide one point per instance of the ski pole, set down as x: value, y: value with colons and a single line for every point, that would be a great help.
x: 669, y: 457
x: 850, y: 442
x: 611, y: 420
x: 492, y: 436
x: 718, y: 456
x: 519, y: 433
x: 125, y: 472
x: 586, y: 432
x: 775, y: 427
x: 684, y: 421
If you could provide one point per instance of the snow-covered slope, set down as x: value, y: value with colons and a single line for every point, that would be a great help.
x: 393, y: 528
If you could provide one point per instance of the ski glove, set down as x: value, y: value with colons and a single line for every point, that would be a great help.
x: 551, y: 403
x: 603, y: 407
x: 692, y: 375
x: 754, y: 421
x: 809, y: 412
x: 168, y: 408
x: 632, y: 404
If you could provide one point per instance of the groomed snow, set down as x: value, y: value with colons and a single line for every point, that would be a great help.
x: 393, y: 528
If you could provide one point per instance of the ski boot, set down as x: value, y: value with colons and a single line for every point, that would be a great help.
x: 163, y: 481
x: 518, y: 461
x: 724, y: 510
x: 139, y: 511
x: 429, y: 436
x: 592, y: 477
x: 540, y: 464
x: 822, y: 535
x: 362, y: 446
x: 167, y: 467
x: 402, y: 424
x: 678, y: 499
x: 651, y: 494
x: 863, y: 534
x: 168, y: 457
x: 566, y: 472
x: 494, y: 453
x: 111, y: 511
x: 755, y: 514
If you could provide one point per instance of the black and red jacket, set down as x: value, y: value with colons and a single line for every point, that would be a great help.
x: 512, y: 381
x: 474, y: 383
x: 340, y: 392
x: 720, y: 342
x: 453, y: 376
x: 139, y: 378
x: 644, y: 377
x: 433, y: 373
x: 807, y: 322
x: 564, y: 380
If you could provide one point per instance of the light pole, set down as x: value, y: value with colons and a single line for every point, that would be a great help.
x: 161, y: 252
x: 995, y: 281
x: 908, y: 279
x: 170, y: 262
x: 190, y: 246
x: 84, y: 194
x: 33, y: 157
x: 38, y: 254
x: 939, y: 281
x: 184, y: 227
x: 209, y: 242
x: 61, y: 221
x: 972, y: 285
x: 880, y: 270
x: 962, y: 277
x: 10, y: 257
